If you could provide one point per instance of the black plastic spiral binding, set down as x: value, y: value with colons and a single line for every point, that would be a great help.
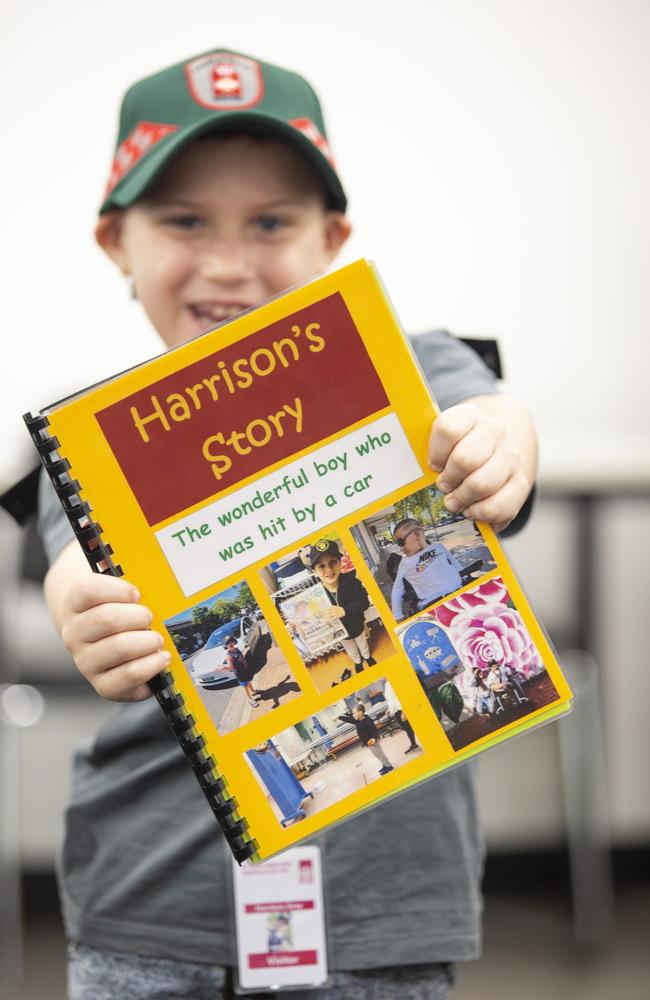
x: 99, y: 554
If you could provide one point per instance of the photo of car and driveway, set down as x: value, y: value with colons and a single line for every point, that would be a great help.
x: 232, y: 658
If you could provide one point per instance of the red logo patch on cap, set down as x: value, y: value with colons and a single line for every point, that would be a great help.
x: 313, y: 133
x: 223, y: 81
x: 143, y: 137
x: 226, y: 81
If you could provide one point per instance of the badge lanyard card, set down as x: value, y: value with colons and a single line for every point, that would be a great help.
x: 280, y: 923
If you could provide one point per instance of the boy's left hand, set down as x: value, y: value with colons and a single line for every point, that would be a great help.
x: 481, y: 470
x: 335, y: 611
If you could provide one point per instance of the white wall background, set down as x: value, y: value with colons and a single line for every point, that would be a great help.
x: 496, y: 154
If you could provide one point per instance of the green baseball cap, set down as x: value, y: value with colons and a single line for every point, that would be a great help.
x: 217, y: 91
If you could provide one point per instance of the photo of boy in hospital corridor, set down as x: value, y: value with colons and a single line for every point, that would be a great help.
x: 418, y: 551
x: 232, y: 658
x: 477, y: 663
x: 335, y: 752
x: 327, y: 611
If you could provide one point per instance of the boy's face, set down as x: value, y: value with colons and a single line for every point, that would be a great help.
x: 413, y: 537
x: 229, y: 224
x: 328, y: 569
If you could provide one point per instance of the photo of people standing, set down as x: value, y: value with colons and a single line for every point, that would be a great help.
x: 232, y: 657
x: 327, y: 612
x: 477, y: 663
x: 419, y: 552
x: 342, y: 748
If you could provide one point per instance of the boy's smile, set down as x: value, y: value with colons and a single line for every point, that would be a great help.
x: 328, y: 570
x: 232, y: 222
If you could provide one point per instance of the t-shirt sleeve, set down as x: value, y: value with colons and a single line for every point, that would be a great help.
x: 53, y: 526
x: 454, y: 371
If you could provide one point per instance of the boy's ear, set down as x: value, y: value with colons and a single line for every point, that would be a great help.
x: 108, y: 234
x: 337, y: 230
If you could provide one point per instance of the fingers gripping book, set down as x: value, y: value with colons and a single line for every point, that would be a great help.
x: 337, y: 635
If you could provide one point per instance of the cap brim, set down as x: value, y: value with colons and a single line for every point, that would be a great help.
x: 147, y: 170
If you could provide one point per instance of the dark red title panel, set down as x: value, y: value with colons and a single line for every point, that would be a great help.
x: 243, y: 408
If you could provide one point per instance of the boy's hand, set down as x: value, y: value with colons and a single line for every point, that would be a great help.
x: 107, y: 633
x: 482, y: 472
x: 334, y: 611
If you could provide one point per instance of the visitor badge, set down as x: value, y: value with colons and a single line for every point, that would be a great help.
x: 280, y: 923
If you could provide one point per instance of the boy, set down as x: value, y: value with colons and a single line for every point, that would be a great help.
x: 348, y: 598
x: 431, y: 569
x: 396, y: 712
x: 368, y: 735
x: 236, y: 661
x: 223, y: 194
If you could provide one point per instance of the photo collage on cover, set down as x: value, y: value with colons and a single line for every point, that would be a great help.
x: 471, y: 652
x: 459, y: 628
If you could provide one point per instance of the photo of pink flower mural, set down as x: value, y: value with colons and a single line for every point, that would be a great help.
x: 483, y: 627
x: 503, y: 678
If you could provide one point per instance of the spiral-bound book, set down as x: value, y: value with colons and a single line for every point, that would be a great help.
x: 337, y: 634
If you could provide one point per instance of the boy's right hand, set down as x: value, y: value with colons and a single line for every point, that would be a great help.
x: 107, y: 633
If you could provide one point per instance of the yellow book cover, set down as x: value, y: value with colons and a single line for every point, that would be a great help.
x: 336, y: 634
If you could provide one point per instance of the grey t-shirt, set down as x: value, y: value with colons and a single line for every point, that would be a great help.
x: 144, y: 867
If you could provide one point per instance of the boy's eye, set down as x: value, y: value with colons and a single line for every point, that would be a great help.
x: 185, y: 222
x: 269, y: 223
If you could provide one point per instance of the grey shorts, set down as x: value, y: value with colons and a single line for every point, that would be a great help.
x: 110, y: 975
